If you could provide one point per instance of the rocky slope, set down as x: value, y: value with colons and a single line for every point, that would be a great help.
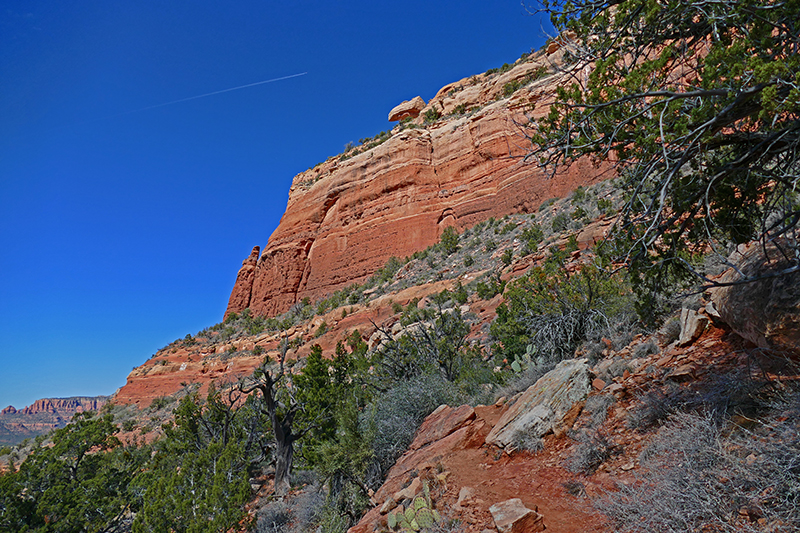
x: 394, y: 195
x: 233, y: 348
x: 455, y: 452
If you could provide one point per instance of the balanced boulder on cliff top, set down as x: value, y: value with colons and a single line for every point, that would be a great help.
x: 408, y: 109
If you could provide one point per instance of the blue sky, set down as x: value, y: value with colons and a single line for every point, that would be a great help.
x: 122, y: 228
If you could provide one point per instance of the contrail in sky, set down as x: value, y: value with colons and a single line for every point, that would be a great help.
x: 215, y: 92
x: 176, y: 102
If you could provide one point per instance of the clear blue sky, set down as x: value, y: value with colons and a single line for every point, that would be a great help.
x: 122, y: 229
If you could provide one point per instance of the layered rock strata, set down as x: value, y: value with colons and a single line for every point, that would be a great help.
x: 347, y: 216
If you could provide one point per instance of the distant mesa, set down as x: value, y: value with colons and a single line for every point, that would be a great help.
x: 42, y: 416
x: 408, y: 109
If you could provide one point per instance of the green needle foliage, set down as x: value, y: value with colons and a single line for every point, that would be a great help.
x: 78, y: 484
x: 197, y: 480
x: 697, y: 106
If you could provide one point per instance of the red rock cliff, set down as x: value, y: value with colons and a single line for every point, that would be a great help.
x: 346, y: 218
x: 69, y: 406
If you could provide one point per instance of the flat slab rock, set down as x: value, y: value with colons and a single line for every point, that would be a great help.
x: 544, y: 405
x: 511, y: 516
x: 441, y: 423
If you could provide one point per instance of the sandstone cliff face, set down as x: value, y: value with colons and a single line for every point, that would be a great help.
x: 346, y: 218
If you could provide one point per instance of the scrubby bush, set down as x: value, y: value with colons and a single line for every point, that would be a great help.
x: 553, y: 312
x: 593, y: 449
x: 531, y: 237
x: 398, y: 413
x: 702, y: 474
x: 722, y: 394
x: 547, y: 203
x: 431, y: 115
x: 448, y: 242
x: 507, y: 257
x: 645, y: 349
x: 273, y: 518
x: 560, y: 222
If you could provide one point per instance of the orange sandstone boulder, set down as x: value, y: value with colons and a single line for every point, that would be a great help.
x: 408, y: 109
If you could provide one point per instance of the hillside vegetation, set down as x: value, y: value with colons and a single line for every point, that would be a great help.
x: 683, y: 426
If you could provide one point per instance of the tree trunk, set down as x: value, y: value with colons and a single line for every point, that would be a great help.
x: 284, y: 454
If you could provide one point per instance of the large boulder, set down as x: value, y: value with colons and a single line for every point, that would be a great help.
x: 766, y: 311
x: 511, y: 516
x: 544, y: 405
x: 408, y: 109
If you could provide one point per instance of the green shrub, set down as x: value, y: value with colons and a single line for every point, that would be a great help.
x: 560, y: 222
x: 159, y: 403
x: 531, y: 237
x: 80, y: 483
x: 578, y: 196
x: 578, y: 213
x: 198, y: 478
x: 468, y: 260
x: 508, y: 227
x: 511, y: 87
x: 448, y: 242
x: 459, y: 293
x: 431, y: 115
x: 460, y: 109
x: 507, y: 257
x: 548, y: 313
x: 490, y: 288
x: 606, y: 206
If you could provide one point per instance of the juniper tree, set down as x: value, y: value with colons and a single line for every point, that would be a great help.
x: 697, y: 106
